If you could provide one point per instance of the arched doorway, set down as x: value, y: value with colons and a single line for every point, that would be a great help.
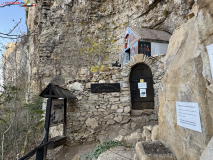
x: 143, y: 72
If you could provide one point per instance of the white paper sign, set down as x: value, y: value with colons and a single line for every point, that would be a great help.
x: 125, y: 85
x: 142, y: 85
x: 210, y: 52
x: 142, y: 92
x: 188, y: 115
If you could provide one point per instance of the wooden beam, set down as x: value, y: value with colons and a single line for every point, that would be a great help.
x: 54, y: 96
x: 65, y: 116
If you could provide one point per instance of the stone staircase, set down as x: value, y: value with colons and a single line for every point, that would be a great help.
x: 145, y: 140
x: 155, y: 150
x: 142, y: 143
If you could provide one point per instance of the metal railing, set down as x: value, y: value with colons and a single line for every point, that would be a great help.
x: 40, y: 152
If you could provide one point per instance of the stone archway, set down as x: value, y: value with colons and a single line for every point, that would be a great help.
x: 141, y: 98
x: 157, y: 69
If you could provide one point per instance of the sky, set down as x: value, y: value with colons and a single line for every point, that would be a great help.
x: 10, y: 16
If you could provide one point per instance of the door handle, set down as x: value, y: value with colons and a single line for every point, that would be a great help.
x: 134, y: 91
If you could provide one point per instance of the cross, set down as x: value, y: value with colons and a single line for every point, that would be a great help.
x: 141, y: 69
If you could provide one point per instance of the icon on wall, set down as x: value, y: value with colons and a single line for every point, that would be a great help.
x: 144, y: 48
x: 141, y: 80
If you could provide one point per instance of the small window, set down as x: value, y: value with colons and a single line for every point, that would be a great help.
x: 126, y: 41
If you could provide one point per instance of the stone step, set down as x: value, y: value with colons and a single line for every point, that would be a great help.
x: 119, y: 152
x: 155, y: 150
x: 129, y: 137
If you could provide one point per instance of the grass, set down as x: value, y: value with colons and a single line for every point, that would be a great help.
x: 103, y: 147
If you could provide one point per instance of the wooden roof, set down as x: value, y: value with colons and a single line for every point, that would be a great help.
x: 57, y: 92
x: 151, y: 34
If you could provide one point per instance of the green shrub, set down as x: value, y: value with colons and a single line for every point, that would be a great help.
x: 103, y: 147
x: 184, y: 16
x: 26, y: 14
x: 178, y: 25
x: 165, y: 13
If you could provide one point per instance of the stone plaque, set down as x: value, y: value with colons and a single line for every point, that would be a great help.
x: 188, y: 115
x: 105, y: 87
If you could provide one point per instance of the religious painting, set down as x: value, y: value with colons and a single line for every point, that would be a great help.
x: 131, y: 38
x: 122, y: 45
x: 122, y: 58
x: 126, y: 57
x: 134, y: 49
x: 57, y: 112
x: 144, y: 48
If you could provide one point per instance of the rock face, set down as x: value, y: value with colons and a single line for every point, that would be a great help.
x: 59, y: 25
x: 188, y: 79
x: 208, y: 152
x: 15, y: 63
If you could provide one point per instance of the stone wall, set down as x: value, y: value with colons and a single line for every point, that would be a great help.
x: 188, y: 79
x: 94, y: 113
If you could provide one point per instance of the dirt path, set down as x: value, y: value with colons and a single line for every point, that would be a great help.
x: 68, y: 153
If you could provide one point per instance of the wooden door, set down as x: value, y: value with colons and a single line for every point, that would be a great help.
x: 141, y: 71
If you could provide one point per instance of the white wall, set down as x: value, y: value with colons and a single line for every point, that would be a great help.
x: 158, y: 48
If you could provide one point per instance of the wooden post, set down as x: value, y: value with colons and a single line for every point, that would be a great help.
x: 40, y: 154
x: 47, y: 121
x: 65, y: 117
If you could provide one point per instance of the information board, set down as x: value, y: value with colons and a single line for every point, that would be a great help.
x: 57, y: 112
x: 210, y: 52
x: 188, y: 115
x: 142, y: 92
x: 125, y: 85
x: 142, y: 85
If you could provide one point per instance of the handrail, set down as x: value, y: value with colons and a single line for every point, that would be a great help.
x: 32, y: 152
x: 25, y: 157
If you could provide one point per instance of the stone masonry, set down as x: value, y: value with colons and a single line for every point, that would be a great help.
x: 95, y: 112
